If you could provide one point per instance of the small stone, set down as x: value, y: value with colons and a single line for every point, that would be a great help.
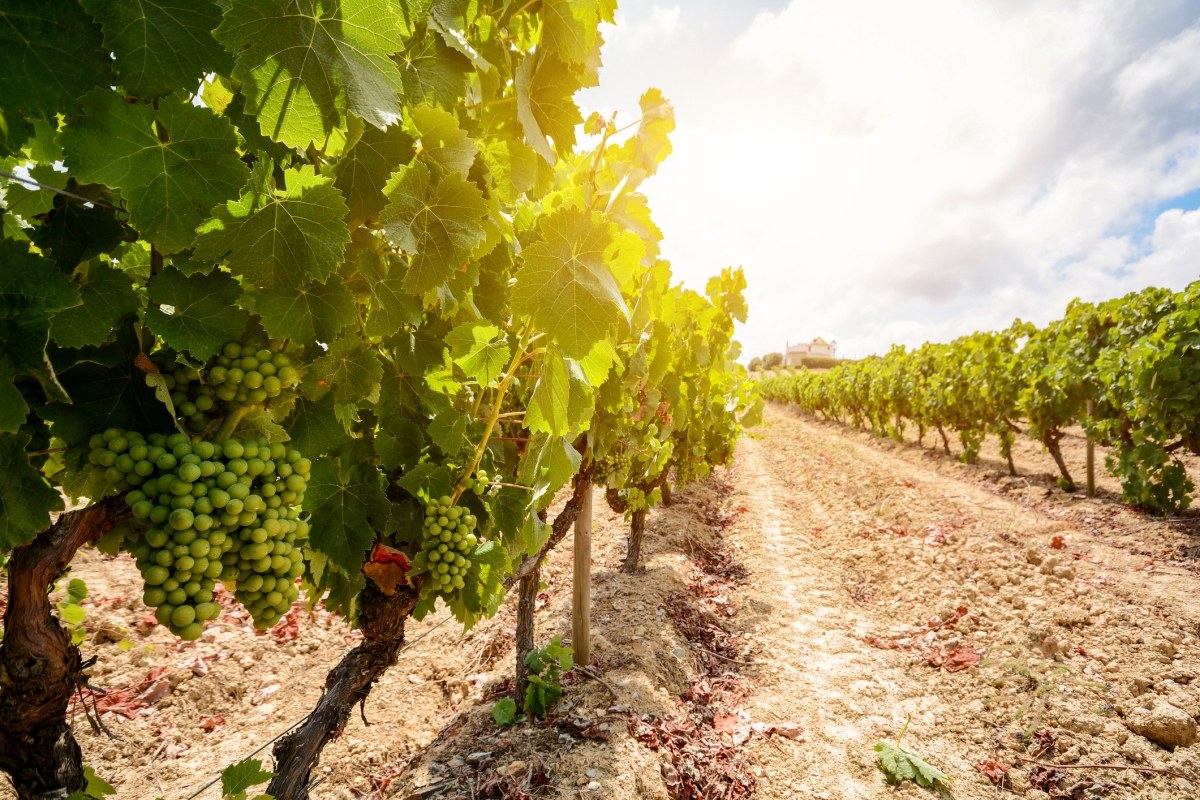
x: 478, y: 758
x: 678, y: 652
x: 1163, y: 724
x: 512, y: 769
x: 457, y: 761
x: 591, y: 773
x: 594, y: 786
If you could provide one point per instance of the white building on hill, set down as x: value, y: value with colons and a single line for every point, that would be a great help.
x: 794, y: 354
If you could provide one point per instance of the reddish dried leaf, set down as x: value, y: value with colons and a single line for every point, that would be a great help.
x: 961, y: 659
x: 385, y: 575
x: 1058, y: 543
x: 994, y: 770
x: 211, y: 722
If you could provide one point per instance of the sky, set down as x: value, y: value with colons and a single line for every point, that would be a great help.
x: 905, y: 172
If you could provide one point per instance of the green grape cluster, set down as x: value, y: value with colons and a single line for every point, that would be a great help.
x: 248, y: 373
x: 478, y: 484
x: 448, y: 535
x: 224, y: 512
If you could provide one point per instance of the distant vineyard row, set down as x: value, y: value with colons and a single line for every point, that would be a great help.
x: 1134, y: 361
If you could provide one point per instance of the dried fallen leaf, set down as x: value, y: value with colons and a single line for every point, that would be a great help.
x: 387, y: 567
x: 993, y: 769
x: 211, y: 722
x: 791, y: 730
x: 1058, y: 543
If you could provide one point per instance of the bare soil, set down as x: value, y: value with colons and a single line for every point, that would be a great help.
x: 830, y: 579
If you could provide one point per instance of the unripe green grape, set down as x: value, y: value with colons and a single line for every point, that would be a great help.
x: 177, y: 596
x: 163, y: 613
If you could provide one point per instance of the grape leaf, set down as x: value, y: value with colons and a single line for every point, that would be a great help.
x: 437, y: 226
x: 104, y: 396
x: 351, y: 367
x: 50, y: 55
x: 73, y: 232
x: 448, y: 430
x: 26, y: 500
x: 247, y: 128
x: 548, y: 464
x: 348, y: 507
x: 204, y: 315
x: 315, y: 312
x: 513, y: 165
x: 31, y: 289
x: 360, y: 174
x: 314, y: 427
x: 391, y: 306
x: 427, y: 479
x: 481, y: 350
x: 259, y: 423
x: 443, y: 142
x: 169, y: 184
x: 548, y: 406
x: 565, y: 284
x: 508, y: 510
x: 278, y: 238
x: 901, y: 764
x: 42, y: 147
x: 399, y: 444
x: 237, y: 778
x: 108, y: 297
x: 546, y: 106
x: 305, y: 64
x: 571, y: 28
x: 433, y: 73
x: 29, y: 201
x: 161, y: 45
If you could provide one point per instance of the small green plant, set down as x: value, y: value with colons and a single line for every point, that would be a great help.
x: 1032, y: 681
x: 547, y: 665
x: 237, y: 778
x: 96, y: 788
x: 505, y: 712
x: 900, y: 764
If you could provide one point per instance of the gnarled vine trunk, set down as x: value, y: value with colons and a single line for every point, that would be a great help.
x: 527, y: 591
x: 39, y: 666
x: 347, y: 685
x: 1051, y: 439
x: 637, y: 526
x: 945, y: 440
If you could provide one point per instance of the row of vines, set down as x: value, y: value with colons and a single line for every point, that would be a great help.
x: 323, y: 300
x: 1127, y: 370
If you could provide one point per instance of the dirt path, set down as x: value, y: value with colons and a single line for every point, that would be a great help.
x: 841, y: 536
x: 1090, y: 611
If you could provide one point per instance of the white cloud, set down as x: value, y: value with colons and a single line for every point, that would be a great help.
x: 660, y: 26
x: 902, y: 171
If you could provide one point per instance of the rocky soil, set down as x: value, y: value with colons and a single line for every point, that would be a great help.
x: 793, y: 611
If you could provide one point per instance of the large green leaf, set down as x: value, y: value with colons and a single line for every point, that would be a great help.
x: 305, y: 64
x: 316, y: 312
x: 197, y: 313
x: 548, y: 463
x: 31, y: 289
x: 360, y: 174
x: 427, y: 479
x: 433, y: 73
x: 438, y: 226
x: 172, y: 164
x: 565, y: 284
x: 448, y: 430
x: 314, y: 426
x: 161, y: 45
x: 546, y: 106
x: 102, y: 397
x: 548, y: 406
x: 513, y: 165
x: 443, y: 142
x: 73, y: 231
x: 391, y: 306
x: 570, y: 29
x: 399, y: 443
x: 348, y: 507
x: 108, y: 296
x: 279, y: 238
x: 351, y: 367
x: 50, y: 56
x: 481, y: 350
x: 29, y: 201
x: 26, y: 500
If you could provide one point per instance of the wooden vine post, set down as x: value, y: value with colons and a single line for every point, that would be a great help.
x: 1091, y: 454
x: 581, y: 605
